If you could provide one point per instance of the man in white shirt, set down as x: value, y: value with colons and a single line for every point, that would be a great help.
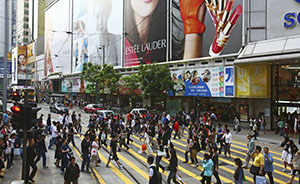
x: 61, y: 119
x: 227, y: 137
x: 152, y: 178
x: 54, y: 134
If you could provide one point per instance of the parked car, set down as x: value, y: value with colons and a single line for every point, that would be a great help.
x: 58, y: 108
x: 139, y: 111
x: 106, y: 113
x: 91, y: 108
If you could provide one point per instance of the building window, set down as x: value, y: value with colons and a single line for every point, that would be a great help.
x: 25, y: 40
x: 26, y: 19
x: 25, y: 25
x: 26, y: 5
x: 26, y: 12
x: 25, y: 33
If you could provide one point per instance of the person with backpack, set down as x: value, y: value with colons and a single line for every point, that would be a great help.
x: 238, y: 173
x: 154, y: 174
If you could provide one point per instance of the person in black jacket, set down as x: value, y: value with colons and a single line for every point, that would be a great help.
x: 72, y: 172
x: 215, y: 159
x: 48, y: 128
x: 30, y: 161
x: 173, y: 167
x: 85, y: 150
x: 41, y: 151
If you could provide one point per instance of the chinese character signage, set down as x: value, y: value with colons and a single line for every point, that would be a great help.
x: 229, y: 81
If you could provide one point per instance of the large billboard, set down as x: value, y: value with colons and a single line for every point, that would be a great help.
x: 204, y: 82
x: 74, y: 85
x: 19, y: 63
x: 253, y: 81
x: 58, y: 38
x: 97, y: 27
x: 202, y: 28
x: 145, y: 31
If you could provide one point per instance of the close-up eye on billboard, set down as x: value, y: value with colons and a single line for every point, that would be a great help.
x: 205, y: 28
x: 145, y: 31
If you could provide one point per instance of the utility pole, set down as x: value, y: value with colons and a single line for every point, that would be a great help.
x: 6, y: 30
x: 24, y: 160
x: 103, y: 50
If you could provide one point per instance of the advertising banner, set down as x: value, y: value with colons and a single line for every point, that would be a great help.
x: 97, y: 28
x: 57, y: 39
x: 146, y: 31
x: 229, y: 81
x: 20, y: 60
x: 14, y: 71
x: 253, y: 81
x: 71, y: 85
x: 204, y: 82
x: 202, y: 28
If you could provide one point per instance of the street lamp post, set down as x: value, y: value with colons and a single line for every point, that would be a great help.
x: 6, y: 27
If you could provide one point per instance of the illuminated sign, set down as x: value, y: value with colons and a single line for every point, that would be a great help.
x: 291, y: 18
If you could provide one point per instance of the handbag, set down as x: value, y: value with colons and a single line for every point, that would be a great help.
x: 261, y: 180
x: 239, y: 129
x: 254, y: 170
x: 17, y: 151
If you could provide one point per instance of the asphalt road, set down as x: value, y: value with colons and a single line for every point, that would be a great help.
x: 135, y: 166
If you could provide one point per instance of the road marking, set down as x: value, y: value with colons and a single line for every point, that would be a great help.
x: 276, y: 171
x: 189, y: 173
x: 100, y: 179
x: 113, y: 168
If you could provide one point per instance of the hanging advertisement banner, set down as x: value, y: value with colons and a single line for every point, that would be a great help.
x: 14, y: 71
x: 201, y: 28
x: 229, y: 81
x: 73, y: 85
x: 19, y: 63
x: 253, y: 81
x: 146, y: 32
x: 57, y: 38
x: 98, y: 27
x: 205, y: 82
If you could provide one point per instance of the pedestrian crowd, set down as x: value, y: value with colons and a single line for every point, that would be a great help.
x: 156, y: 131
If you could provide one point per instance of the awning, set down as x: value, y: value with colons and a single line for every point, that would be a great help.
x: 273, y: 50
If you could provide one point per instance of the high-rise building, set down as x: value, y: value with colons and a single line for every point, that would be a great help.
x: 22, y: 22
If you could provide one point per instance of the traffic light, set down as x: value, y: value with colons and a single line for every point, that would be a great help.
x: 16, y: 118
x: 16, y: 96
x: 31, y: 116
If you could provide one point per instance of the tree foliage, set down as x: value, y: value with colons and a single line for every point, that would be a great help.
x: 100, y: 77
x: 131, y: 83
x: 155, y: 80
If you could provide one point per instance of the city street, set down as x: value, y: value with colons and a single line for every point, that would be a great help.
x: 135, y: 166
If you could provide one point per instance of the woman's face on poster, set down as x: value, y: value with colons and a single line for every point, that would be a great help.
x: 144, y: 8
x: 22, y: 60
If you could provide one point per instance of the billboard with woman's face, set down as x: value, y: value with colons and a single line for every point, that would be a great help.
x: 145, y: 31
x: 97, y: 27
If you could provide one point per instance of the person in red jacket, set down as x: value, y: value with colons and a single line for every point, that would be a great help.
x: 176, y: 129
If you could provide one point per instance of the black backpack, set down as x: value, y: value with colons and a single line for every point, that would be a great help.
x: 157, y: 174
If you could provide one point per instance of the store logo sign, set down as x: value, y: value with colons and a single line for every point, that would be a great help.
x: 291, y: 18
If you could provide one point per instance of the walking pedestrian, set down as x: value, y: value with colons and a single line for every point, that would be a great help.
x: 58, y: 153
x: 269, y: 168
x: 113, y: 152
x: 195, y: 150
x: 160, y: 154
x: 153, y: 171
x: 238, y: 173
x: 72, y: 172
x: 85, y: 150
x: 207, y: 165
x: 236, y: 123
x: 31, y: 153
x: 41, y: 151
x: 257, y: 169
x: 79, y: 124
x: 296, y: 164
x: 227, y: 141
x: 48, y: 127
x: 94, y: 152
x: 173, y: 167
x: 280, y: 125
x: 215, y: 159
x: 66, y: 154
x: 250, y: 149
x: 54, y: 134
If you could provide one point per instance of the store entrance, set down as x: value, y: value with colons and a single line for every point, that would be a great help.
x: 288, y: 112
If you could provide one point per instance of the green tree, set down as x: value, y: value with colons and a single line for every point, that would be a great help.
x: 155, y: 80
x: 100, y: 78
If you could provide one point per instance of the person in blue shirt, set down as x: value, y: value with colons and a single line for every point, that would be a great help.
x: 239, y: 173
x: 5, y: 118
x: 269, y: 168
x: 207, y: 165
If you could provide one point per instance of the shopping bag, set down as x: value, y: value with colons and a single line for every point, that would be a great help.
x: 17, y: 151
x: 261, y: 180
x: 144, y: 147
